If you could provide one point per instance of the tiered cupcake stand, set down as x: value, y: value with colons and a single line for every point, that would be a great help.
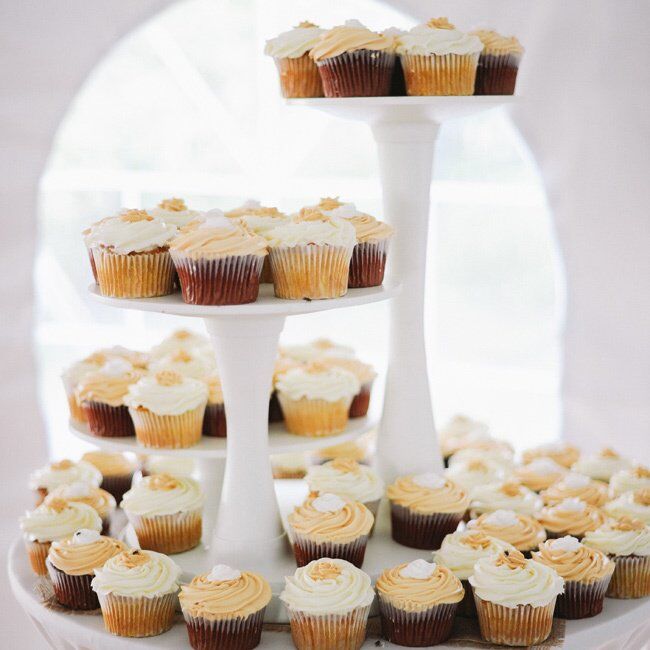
x: 244, y: 511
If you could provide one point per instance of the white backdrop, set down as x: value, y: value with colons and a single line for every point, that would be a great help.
x: 586, y: 85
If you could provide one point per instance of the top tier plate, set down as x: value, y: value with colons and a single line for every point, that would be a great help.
x: 266, y: 305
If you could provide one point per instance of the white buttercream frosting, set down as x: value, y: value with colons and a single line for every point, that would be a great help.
x: 491, y: 497
x: 567, y: 543
x: 613, y: 541
x: 328, y: 503
x: 503, y: 518
x: 181, y: 340
x: 627, y: 480
x: 49, y: 522
x: 160, y: 399
x: 126, y: 237
x: 423, y: 40
x: 260, y: 224
x: 544, y: 467
x: 571, y: 504
x: 602, y: 466
x: 77, y: 490
x: 347, y: 479
x: 331, y: 384
x: 575, y: 481
x: 500, y: 456
x: 157, y: 495
x: 344, y: 211
x: 223, y: 573
x: 473, y: 474
x: 333, y: 232
x: 293, y: 43
x: 461, y: 425
x: 64, y: 473
x: 418, y: 569
x: 178, y: 218
x: 628, y: 505
x: 196, y: 363
x: 85, y: 536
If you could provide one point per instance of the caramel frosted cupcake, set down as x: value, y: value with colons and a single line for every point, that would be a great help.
x: 627, y: 542
x: 561, y: 452
x: 174, y: 211
x: 570, y: 517
x: 167, y: 409
x: 628, y: 480
x: 53, y: 520
x: 425, y: 508
x: 635, y: 504
x: 354, y: 61
x: 515, y: 598
x: 474, y: 474
x: 586, y: 572
x: 137, y: 591
x: 498, y: 64
x: 62, y: 472
x: 521, y: 531
x: 539, y: 474
x: 316, y: 399
x: 214, y: 421
x: 602, y: 466
x: 131, y: 255
x: 116, y: 469
x: 366, y: 375
x: 576, y: 486
x: 225, y: 608
x: 71, y: 564
x: 290, y: 50
x: 99, y: 500
x: 438, y: 59
x: 509, y: 495
x: 71, y: 377
x: 417, y: 603
x: 166, y: 512
x: 326, y: 525
x: 328, y: 602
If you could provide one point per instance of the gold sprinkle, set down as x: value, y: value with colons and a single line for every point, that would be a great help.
x: 97, y: 358
x: 329, y: 203
x: 476, y: 540
x: 641, y: 472
x: 181, y: 335
x: 133, y: 216
x: 627, y: 524
x: 62, y: 464
x: 440, y: 23
x: 324, y: 571
x: 311, y: 214
x: 346, y: 465
x: 173, y: 205
x: 476, y: 466
x: 305, y: 24
x: 133, y: 558
x: 169, y: 378
x: 511, y: 559
x: 182, y: 356
x: 642, y: 496
x: 162, y: 482
x: 608, y: 452
x: 511, y: 489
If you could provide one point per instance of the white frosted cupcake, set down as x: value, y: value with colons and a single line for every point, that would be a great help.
x: 570, y: 517
x: 196, y: 363
x: 328, y: 602
x: 523, y: 532
x: 62, y: 472
x: 634, y: 504
x: 628, y: 480
x: 71, y: 377
x: 492, y: 450
x: 509, y: 495
x: 137, y: 592
x: 515, y: 598
x: 474, y: 474
x: 366, y: 375
x: 181, y: 339
x: 601, y: 466
x: 167, y: 409
x: 101, y: 501
x: 214, y: 421
x: 174, y: 211
x: 166, y: 512
x: 576, y: 486
x: 117, y: 471
x: 539, y: 474
x: 315, y: 399
x: 317, y: 350
x: 561, y: 452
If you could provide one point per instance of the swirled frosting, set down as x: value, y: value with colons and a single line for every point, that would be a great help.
x: 576, y: 486
x: 253, y: 208
x: 539, y: 474
x: 139, y: 360
x: 496, y: 44
x: 196, y: 363
x: 64, y: 472
x: 561, y: 452
x: 317, y: 381
x: 110, y: 464
x: 626, y: 480
x: 101, y: 501
x: 225, y: 594
x: 624, y: 536
x: 174, y: 211
x: 262, y: 224
x: 180, y: 340
x: 84, y: 552
x: 436, y: 37
x: 522, y: 531
x: 332, y: 207
x: 421, y: 494
x: 137, y: 574
x: 501, y: 456
x: 602, y: 466
x: 473, y: 474
x: 508, y: 579
x: 419, y: 585
x: 105, y: 387
x: 350, y: 37
x: 295, y: 42
x: 345, y: 478
x: 327, y: 586
x: 509, y: 495
x: 571, y: 517
x: 313, y: 228
x: 178, y: 466
x: 635, y: 504
x: 57, y: 518
x: 574, y: 561
x: 369, y: 229
x: 167, y: 393
x: 461, y: 550
x: 352, y: 450
x: 163, y: 494
x: 364, y: 372
x: 461, y: 425
x: 72, y: 375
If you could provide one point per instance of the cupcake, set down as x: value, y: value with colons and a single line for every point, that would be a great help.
x: 289, y: 466
x: 218, y: 262
x: 225, y: 609
x: 290, y: 50
x: 366, y: 375
x: 53, y: 520
x: 167, y: 409
x: 71, y: 564
x: 282, y: 364
x: 576, y: 486
x: 71, y: 378
x: 570, y: 517
x: 168, y: 465
x: 326, y: 525
x: 131, y: 255
x: 137, y: 591
x: 354, y: 61
x: 508, y: 495
x: 635, y: 504
x: 498, y: 64
x: 316, y: 351
x: 316, y: 400
x: 181, y: 339
x: 165, y: 512
x: 539, y: 474
x: 586, y: 572
x: 515, y: 598
x: 424, y: 508
x: 562, y: 453
x: 521, y: 531
x: 438, y: 59
x: 197, y: 363
x: 214, y: 421
x: 459, y: 552
x: 628, y: 480
x: 174, y: 211
x: 310, y: 256
x: 101, y: 501
x: 358, y: 450
x: 602, y: 466
x: 627, y: 542
x: 101, y: 397
x: 418, y: 602
x: 116, y: 469
x: 474, y: 474
x: 328, y: 602
x: 493, y: 451
x: 63, y: 472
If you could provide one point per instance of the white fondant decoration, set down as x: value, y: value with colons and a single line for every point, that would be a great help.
x: 418, y: 569
x: 575, y: 481
x: 566, y: 543
x: 572, y: 505
x: 222, y: 572
x: 503, y: 518
x: 85, y: 536
x: 328, y: 503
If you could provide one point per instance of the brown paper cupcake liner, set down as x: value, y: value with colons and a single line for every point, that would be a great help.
x: 71, y: 591
x: 214, y: 421
x: 37, y: 554
x: 448, y: 74
x: 314, y: 417
x: 424, y: 531
x: 266, y: 277
x: 310, y: 272
x: 361, y: 402
x: 329, y: 631
x: 523, y: 625
x: 138, y: 617
x: 416, y: 629
x: 77, y: 413
x: 306, y: 550
x: 397, y: 82
x: 299, y: 77
x: 275, y: 410
x: 137, y: 275
x: 368, y: 264
x: 364, y: 73
x: 117, y: 485
x: 467, y: 606
x: 233, y: 280
x: 225, y: 634
x: 105, y: 421
x: 631, y: 578
x: 580, y: 599
x: 496, y: 74
x: 167, y: 534
x: 168, y: 431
